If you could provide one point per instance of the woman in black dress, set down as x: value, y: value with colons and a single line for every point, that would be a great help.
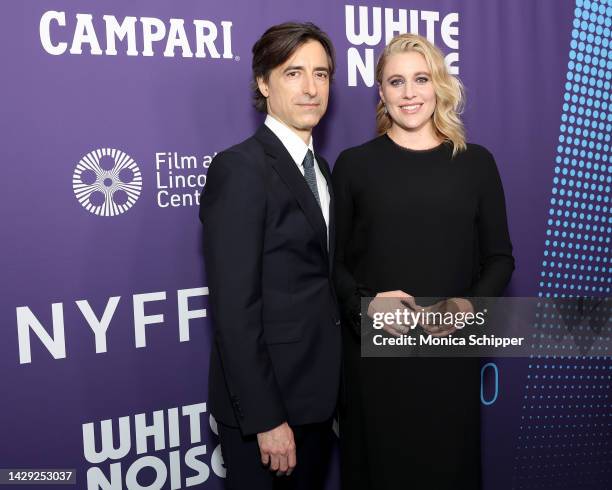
x: 420, y: 213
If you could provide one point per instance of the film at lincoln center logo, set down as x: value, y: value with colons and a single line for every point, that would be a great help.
x: 107, y: 182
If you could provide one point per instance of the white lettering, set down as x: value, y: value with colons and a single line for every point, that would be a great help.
x: 45, y: 32
x: 184, y: 313
x: 108, y: 450
x: 205, y: 38
x: 84, y: 33
x: 195, y: 464
x: 161, y: 473
x: 193, y: 412
x: 393, y: 27
x: 144, y: 431
x: 450, y: 30
x: 363, y: 37
x: 153, y: 30
x: 177, y: 38
x: 56, y: 344
x: 99, y: 327
x: 120, y: 31
x: 364, y: 67
x: 96, y: 479
x: 141, y: 320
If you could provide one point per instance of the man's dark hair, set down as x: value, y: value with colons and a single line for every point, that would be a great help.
x: 276, y: 46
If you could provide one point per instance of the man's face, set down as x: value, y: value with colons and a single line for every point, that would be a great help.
x: 297, y: 91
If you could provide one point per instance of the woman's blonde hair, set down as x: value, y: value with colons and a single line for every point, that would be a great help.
x: 448, y: 89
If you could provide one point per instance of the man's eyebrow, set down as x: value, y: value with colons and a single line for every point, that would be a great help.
x: 299, y: 67
x: 292, y: 68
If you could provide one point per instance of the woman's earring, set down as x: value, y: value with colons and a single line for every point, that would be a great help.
x: 385, y: 108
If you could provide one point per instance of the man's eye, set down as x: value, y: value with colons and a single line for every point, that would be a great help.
x: 292, y: 74
x: 322, y: 75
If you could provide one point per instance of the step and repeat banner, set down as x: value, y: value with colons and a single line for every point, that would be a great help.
x: 104, y: 333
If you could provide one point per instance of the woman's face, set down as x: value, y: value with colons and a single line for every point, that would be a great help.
x: 408, y: 92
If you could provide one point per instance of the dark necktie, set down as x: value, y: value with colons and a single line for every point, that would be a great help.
x: 310, y: 176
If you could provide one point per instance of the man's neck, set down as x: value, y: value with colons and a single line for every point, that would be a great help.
x: 304, y: 134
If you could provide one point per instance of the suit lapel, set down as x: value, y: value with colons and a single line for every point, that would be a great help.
x: 293, y: 178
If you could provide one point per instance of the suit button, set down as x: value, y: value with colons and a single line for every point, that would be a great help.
x: 338, y: 322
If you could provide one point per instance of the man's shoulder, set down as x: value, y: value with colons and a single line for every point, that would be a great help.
x: 247, y: 150
x: 248, y: 154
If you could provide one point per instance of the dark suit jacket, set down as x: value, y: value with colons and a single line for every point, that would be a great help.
x: 276, y: 352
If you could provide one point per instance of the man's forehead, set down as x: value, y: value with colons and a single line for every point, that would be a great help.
x: 311, y: 53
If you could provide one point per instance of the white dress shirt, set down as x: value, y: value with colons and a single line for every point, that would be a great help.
x: 298, y: 149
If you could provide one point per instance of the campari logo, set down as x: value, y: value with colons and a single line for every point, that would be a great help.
x: 107, y: 182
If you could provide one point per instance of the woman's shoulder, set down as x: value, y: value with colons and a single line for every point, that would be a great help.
x: 477, y: 150
x: 357, y: 153
x: 481, y: 163
x: 477, y: 156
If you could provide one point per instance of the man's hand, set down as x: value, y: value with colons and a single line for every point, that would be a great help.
x: 451, y: 305
x: 277, y: 448
x: 390, y: 302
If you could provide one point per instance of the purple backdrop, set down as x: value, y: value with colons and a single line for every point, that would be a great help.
x: 142, y: 258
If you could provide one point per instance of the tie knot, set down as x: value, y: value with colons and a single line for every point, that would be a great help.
x: 308, y: 160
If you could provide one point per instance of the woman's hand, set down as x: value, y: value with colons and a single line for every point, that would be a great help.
x: 450, y: 305
x: 392, y: 302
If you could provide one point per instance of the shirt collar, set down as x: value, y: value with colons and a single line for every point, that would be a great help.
x: 290, y: 140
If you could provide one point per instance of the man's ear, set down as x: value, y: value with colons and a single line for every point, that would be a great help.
x: 262, y: 86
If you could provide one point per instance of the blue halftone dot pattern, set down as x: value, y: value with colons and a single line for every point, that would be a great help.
x: 565, y: 433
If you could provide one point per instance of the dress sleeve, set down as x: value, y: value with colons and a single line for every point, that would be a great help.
x: 348, y: 289
x: 495, y: 248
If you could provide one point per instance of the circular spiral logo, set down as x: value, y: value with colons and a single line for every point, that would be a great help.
x: 107, y: 182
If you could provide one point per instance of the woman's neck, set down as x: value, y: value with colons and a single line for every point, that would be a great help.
x: 417, y: 139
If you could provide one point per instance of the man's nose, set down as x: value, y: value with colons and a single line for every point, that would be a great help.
x: 310, y: 86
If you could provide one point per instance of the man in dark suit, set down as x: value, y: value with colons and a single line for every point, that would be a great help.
x: 267, y: 211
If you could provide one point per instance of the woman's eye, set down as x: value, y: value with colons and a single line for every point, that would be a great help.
x: 396, y: 82
x: 422, y: 80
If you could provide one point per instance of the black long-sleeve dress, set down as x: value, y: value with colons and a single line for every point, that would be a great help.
x: 432, y: 226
